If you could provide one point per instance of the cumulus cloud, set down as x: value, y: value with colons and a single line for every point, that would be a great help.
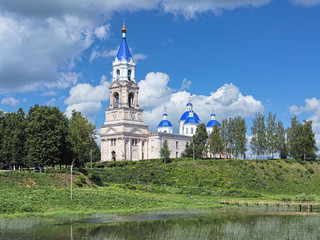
x: 312, y: 107
x: 87, y: 98
x: 10, y: 101
x: 306, y: 3
x: 154, y: 89
x: 46, y: 38
x: 227, y: 101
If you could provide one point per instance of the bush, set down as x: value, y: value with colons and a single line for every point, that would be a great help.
x: 302, y: 197
x: 82, y: 179
x: 310, y: 170
x: 78, y: 182
x: 286, y: 199
x: 95, y: 177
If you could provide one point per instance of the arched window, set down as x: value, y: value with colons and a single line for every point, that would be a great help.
x: 191, y: 130
x: 129, y: 75
x: 116, y: 100
x: 131, y: 95
x: 186, y: 130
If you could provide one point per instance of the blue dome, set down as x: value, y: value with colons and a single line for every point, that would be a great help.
x: 189, y: 104
x: 212, y: 114
x: 211, y: 123
x: 165, y: 123
x: 165, y: 114
x: 186, y: 115
x: 191, y: 120
x: 124, y: 52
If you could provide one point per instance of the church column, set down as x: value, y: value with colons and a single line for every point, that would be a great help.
x: 130, y: 149
x: 135, y: 100
x: 140, y: 149
x: 123, y: 140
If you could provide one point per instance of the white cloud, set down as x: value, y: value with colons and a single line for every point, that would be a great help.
x: 185, y: 84
x: 139, y: 56
x: 51, y: 102
x: 87, y: 98
x: 154, y: 89
x: 102, y: 32
x: 50, y: 93
x: 306, y: 3
x: 312, y: 107
x: 46, y: 38
x: 227, y: 101
x: 190, y: 8
x: 10, y: 101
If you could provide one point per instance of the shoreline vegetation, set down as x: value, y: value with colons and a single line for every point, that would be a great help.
x: 125, y: 187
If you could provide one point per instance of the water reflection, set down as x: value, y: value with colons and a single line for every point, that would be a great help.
x: 170, y: 224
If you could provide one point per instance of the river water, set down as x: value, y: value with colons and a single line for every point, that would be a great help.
x: 231, y: 223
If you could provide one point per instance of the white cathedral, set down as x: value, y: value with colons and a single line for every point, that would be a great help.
x: 124, y: 136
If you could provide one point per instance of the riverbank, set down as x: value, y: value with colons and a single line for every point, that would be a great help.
x: 152, y: 185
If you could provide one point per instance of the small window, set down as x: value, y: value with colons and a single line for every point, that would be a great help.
x: 177, y: 145
x: 186, y: 130
x: 116, y: 99
x: 177, y: 154
x: 118, y: 71
x: 191, y: 130
x: 130, y: 100
x: 129, y: 75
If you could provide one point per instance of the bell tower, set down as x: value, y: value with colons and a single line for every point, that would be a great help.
x: 124, y: 135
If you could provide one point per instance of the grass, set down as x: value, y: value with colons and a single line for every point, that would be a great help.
x: 153, y: 185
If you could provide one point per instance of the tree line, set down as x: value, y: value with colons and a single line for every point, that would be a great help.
x: 46, y: 137
x: 268, y: 138
x: 223, y: 142
x: 297, y: 141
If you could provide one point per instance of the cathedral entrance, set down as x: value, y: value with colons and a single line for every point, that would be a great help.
x: 113, y: 156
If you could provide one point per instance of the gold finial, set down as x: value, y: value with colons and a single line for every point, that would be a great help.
x: 123, y: 29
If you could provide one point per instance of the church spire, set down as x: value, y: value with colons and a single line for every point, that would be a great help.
x: 124, y: 52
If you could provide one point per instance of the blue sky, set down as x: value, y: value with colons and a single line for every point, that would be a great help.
x: 238, y: 56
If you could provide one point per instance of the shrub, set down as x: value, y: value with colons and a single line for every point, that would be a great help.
x: 310, y: 170
x: 78, y: 182
x: 302, y: 197
x: 82, y: 179
x: 286, y: 199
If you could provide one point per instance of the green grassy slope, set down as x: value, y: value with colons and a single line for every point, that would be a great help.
x: 152, y: 184
x: 214, y: 177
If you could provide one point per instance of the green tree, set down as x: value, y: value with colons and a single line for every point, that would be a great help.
x: 216, y: 142
x: 2, y: 126
x: 231, y: 135
x: 308, y: 141
x: 258, y: 132
x: 165, y: 152
x: 281, y: 144
x: 271, y: 134
x: 81, y: 138
x: 224, y: 133
x: 301, y: 140
x: 293, y: 137
x: 240, y: 136
x: 199, y: 140
x: 188, y: 152
x: 13, y: 149
x: 46, y: 129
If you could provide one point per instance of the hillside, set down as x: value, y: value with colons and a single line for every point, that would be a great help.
x: 217, y: 177
x: 148, y: 184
